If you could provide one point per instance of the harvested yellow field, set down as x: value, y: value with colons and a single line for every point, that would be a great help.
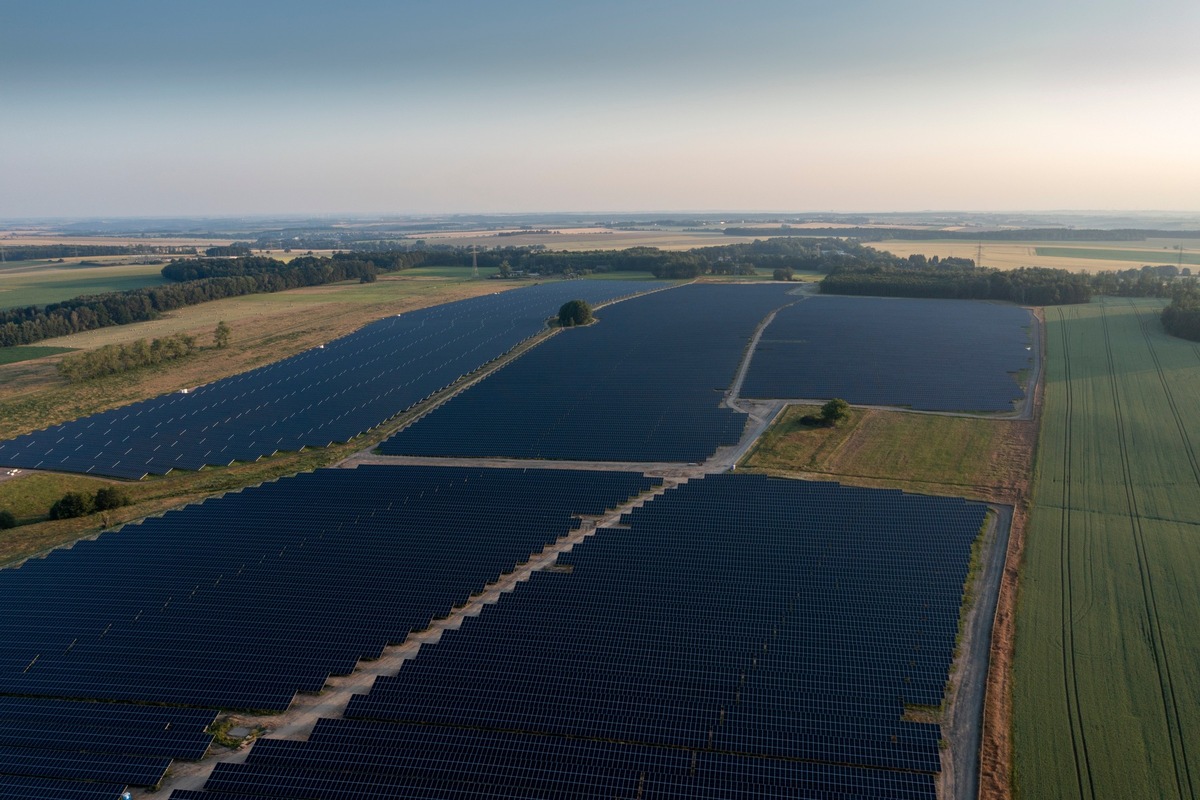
x: 1086, y: 256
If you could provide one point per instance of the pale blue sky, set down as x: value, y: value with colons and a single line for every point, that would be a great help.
x: 164, y: 107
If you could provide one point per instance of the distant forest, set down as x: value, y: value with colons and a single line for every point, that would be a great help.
x: 850, y: 268
x: 36, y: 252
x: 960, y: 278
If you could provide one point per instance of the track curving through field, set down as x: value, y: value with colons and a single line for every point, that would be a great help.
x: 1083, y: 771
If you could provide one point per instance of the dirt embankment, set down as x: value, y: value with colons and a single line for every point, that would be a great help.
x: 995, y: 757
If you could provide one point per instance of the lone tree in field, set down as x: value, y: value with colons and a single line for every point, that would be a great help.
x: 221, y: 335
x: 574, y: 312
x: 7, y: 520
x: 835, y: 411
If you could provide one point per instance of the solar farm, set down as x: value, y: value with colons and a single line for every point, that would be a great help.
x: 931, y: 355
x: 645, y: 384
x: 679, y: 632
x: 331, y: 393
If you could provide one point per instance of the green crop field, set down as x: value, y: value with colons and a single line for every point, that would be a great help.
x: 56, y: 282
x: 15, y: 355
x: 1155, y: 257
x: 1107, y: 662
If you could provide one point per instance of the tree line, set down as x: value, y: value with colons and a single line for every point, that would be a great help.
x: 38, y: 252
x: 114, y: 358
x: 1027, y: 286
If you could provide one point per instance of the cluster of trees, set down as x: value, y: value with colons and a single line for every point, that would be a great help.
x: 832, y: 414
x: 1028, y: 285
x: 114, y: 358
x: 574, y: 312
x: 1182, y: 316
x: 229, y: 251
x: 78, y: 504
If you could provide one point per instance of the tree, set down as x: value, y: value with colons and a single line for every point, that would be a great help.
x: 784, y: 274
x: 835, y: 411
x: 108, y: 497
x: 71, y: 504
x: 7, y: 520
x: 221, y: 335
x: 574, y: 312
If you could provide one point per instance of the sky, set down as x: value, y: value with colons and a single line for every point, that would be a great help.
x: 166, y: 107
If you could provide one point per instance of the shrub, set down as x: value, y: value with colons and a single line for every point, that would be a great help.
x: 7, y: 520
x: 108, y: 497
x: 70, y: 505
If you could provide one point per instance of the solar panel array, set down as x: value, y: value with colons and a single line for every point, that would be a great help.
x: 64, y: 748
x: 241, y: 601
x: 644, y: 384
x: 328, y: 394
x: 743, y: 636
x: 931, y: 355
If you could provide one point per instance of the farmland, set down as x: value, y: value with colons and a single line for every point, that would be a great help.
x: 35, y: 283
x: 1107, y: 663
x: 1092, y: 257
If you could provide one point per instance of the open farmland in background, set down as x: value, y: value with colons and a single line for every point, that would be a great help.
x: 38, y: 283
x: 1090, y: 257
x: 1107, y: 666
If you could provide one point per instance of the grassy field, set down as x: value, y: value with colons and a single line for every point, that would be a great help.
x: 1107, y: 662
x: 978, y: 458
x: 30, y: 283
x: 1156, y: 257
x: 15, y: 355
x: 1091, y: 257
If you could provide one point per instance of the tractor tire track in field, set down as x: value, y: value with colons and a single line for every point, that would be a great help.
x: 1083, y: 770
x: 1176, y: 729
x: 1162, y: 666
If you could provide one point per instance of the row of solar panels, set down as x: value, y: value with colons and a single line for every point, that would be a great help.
x: 647, y: 670
x: 645, y: 384
x: 331, y: 393
x: 932, y: 355
x: 244, y: 600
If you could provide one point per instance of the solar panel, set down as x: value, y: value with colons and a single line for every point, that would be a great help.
x: 644, y: 384
x: 331, y: 393
x: 242, y: 601
x: 744, y: 637
x: 932, y: 355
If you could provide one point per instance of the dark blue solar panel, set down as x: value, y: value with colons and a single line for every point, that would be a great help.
x: 931, y: 355
x: 20, y: 787
x: 743, y: 637
x: 644, y: 384
x: 328, y: 394
x: 243, y: 600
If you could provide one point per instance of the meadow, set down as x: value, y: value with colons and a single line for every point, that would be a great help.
x: 985, y: 459
x: 1107, y: 661
x: 37, y: 283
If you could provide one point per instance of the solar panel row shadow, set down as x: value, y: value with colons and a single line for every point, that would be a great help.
x: 643, y: 384
x: 328, y: 394
x: 743, y: 637
x: 241, y: 601
x: 931, y: 355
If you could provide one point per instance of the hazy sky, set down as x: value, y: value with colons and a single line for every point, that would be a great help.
x: 169, y: 107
